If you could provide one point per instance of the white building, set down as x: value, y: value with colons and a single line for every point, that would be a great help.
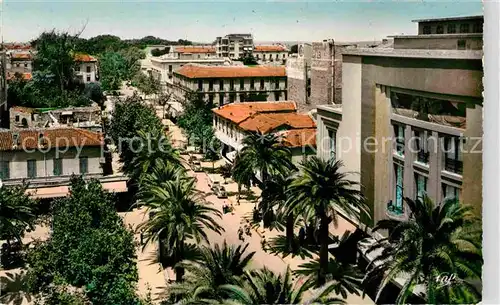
x: 47, y: 158
x: 234, y: 46
x: 233, y: 122
x: 273, y: 53
x: 86, y: 68
x: 230, y: 84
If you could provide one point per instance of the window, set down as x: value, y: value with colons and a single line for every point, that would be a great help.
x: 4, y: 170
x: 450, y: 192
x: 210, y: 85
x: 277, y: 96
x: 451, y: 29
x: 57, y: 167
x: 88, y: 69
x: 200, y: 85
x: 427, y: 29
x: 17, y: 65
x: 439, y: 29
x: 261, y: 84
x: 284, y: 55
x: 88, y: 78
x: 231, y: 84
x: 421, y: 146
x: 242, y: 97
x: 77, y: 68
x: 232, y: 97
x: 252, y: 84
x: 396, y: 206
x: 26, y: 65
x: 17, y: 118
x: 169, y: 68
x: 199, y: 56
x: 478, y: 28
x: 464, y: 28
x: 211, y: 98
x: 31, y: 168
x: 242, y: 84
x: 332, y: 136
x: 221, y: 99
x: 461, y: 44
x: 399, y: 134
x: 84, y: 165
x: 453, y: 155
x: 421, y: 186
x: 221, y: 85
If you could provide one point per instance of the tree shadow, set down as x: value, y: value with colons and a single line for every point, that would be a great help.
x: 278, y: 245
x: 14, y: 288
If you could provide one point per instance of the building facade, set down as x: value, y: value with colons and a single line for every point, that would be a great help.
x: 19, y: 62
x: 86, y: 68
x: 411, y: 124
x: 229, y: 84
x: 233, y: 122
x: 234, y: 46
x: 274, y: 53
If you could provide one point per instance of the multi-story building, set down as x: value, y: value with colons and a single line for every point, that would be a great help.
x: 19, y: 62
x: 86, y: 68
x: 423, y: 107
x: 273, y: 53
x: 164, y: 66
x: 233, y: 122
x: 228, y: 84
x: 410, y: 124
x: 315, y: 74
x: 79, y: 117
x: 47, y: 158
x: 234, y: 46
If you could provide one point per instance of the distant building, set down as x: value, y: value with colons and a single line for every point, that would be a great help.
x: 315, y: 74
x: 193, y: 52
x: 459, y: 33
x: 79, y: 117
x: 272, y: 53
x: 47, y: 158
x: 233, y: 122
x: 86, y: 68
x: 234, y: 46
x: 18, y: 62
x: 230, y: 84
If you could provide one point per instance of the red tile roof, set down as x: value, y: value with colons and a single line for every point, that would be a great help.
x: 21, y: 56
x: 53, y: 137
x: 300, y: 137
x: 268, y: 122
x: 269, y: 49
x: 195, y: 49
x: 84, y: 58
x: 25, y: 76
x: 195, y: 71
x: 23, y: 109
x: 13, y: 46
x: 238, y: 112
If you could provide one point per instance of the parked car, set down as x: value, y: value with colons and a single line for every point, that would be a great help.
x: 219, y: 191
x: 196, y: 166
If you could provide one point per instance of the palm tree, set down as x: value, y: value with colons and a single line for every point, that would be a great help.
x: 343, y: 278
x: 266, y: 287
x: 180, y: 213
x: 154, y: 146
x: 241, y: 174
x: 206, y: 277
x: 264, y: 156
x: 321, y: 189
x: 436, y: 240
x: 161, y: 172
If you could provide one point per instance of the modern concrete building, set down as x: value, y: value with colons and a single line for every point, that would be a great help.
x: 47, y: 158
x: 315, y: 74
x: 228, y: 84
x: 233, y: 122
x: 410, y: 123
x: 86, y: 68
x: 234, y: 46
x: 272, y: 53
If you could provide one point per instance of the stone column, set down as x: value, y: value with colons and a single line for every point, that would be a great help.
x: 408, y: 179
x: 434, y: 183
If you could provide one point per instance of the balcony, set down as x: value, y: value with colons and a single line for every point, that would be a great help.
x: 423, y: 156
x: 453, y: 165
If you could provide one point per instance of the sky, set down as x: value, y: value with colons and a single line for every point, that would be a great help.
x: 203, y: 21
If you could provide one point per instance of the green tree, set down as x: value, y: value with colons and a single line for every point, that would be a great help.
x: 265, y: 287
x: 222, y: 265
x: 16, y: 213
x: 99, y: 254
x: 159, y: 52
x: 113, y: 70
x: 436, y: 240
x: 180, y: 213
x: 320, y: 190
x: 94, y: 92
x: 264, y: 156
